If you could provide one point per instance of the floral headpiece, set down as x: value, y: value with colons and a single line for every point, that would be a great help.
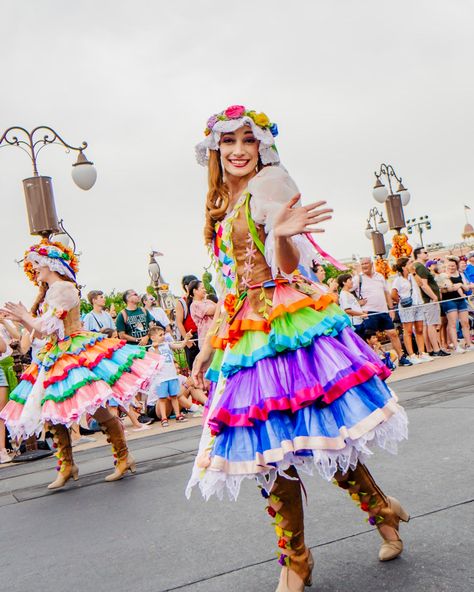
x: 233, y: 118
x: 54, y: 255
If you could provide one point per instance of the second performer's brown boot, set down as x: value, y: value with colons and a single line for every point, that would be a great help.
x: 285, y: 506
x: 65, y: 467
x: 124, y: 461
x: 384, y: 511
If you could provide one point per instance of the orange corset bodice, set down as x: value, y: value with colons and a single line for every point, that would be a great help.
x: 72, y: 321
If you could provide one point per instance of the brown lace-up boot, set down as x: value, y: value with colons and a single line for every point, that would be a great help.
x: 385, y: 512
x: 124, y: 461
x: 65, y: 467
x: 285, y: 506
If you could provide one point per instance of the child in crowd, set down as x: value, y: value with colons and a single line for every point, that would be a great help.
x: 166, y: 384
x: 349, y: 303
x: 189, y: 393
x: 389, y: 358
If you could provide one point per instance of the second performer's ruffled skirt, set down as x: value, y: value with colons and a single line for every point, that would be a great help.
x: 77, y: 375
x: 300, y: 388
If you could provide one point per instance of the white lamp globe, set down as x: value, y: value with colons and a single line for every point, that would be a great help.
x: 84, y: 173
x: 405, y: 197
x: 382, y: 227
x: 380, y: 193
x: 368, y: 233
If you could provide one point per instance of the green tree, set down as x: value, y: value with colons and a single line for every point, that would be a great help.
x: 332, y: 272
x: 206, y: 280
x: 113, y: 297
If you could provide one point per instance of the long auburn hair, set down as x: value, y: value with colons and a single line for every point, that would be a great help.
x: 217, y: 200
x: 42, y: 289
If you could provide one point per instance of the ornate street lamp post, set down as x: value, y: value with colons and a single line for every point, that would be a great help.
x: 394, y: 202
x: 375, y: 231
x: 38, y: 189
x: 418, y: 224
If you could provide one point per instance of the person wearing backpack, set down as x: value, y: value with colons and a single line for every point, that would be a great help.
x: 185, y: 323
x: 98, y: 319
x: 133, y: 322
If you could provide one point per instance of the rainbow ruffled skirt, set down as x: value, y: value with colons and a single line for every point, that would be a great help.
x: 296, y: 388
x: 76, y: 375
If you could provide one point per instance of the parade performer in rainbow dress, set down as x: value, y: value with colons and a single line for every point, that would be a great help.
x: 76, y: 371
x: 293, y: 388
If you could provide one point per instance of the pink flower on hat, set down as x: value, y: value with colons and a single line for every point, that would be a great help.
x: 234, y: 112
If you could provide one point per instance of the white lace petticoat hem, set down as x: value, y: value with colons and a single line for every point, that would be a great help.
x: 386, y: 435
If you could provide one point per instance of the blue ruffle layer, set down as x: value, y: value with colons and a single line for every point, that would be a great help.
x: 241, y: 444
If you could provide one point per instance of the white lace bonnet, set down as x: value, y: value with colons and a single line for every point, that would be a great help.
x: 233, y: 118
x: 54, y: 255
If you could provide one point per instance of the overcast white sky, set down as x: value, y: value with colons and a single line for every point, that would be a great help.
x: 350, y: 84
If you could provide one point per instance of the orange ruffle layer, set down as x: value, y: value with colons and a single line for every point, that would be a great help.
x: 240, y: 324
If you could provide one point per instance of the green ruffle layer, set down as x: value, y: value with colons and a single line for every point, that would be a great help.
x: 125, y: 367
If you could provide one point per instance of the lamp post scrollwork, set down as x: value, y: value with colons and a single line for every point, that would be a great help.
x: 38, y: 189
x: 376, y: 228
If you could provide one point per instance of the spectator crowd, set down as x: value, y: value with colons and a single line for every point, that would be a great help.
x: 423, y: 310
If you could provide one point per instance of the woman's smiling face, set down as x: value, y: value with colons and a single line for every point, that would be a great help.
x: 239, y: 152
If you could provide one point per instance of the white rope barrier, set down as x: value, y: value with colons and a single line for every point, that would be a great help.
x: 373, y: 314
x: 467, y: 298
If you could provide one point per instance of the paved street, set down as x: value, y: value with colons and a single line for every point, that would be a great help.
x: 141, y: 534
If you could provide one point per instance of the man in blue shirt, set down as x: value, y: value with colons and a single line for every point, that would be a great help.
x: 98, y: 319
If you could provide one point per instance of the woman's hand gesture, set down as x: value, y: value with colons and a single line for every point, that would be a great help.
x: 200, y: 366
x: 291, y: 221
x: 14, y: 311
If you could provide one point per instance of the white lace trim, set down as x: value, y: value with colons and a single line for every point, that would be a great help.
x: 267, y: 149
x: 53, y: 264
x: 327, y: 462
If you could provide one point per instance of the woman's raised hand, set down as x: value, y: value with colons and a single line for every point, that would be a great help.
x: 291, y: 221
x: 14, y: 311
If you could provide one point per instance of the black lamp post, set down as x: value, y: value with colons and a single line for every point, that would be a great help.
x: 418, y: 224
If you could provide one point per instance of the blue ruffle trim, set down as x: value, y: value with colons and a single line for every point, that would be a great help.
x: 241, y: 444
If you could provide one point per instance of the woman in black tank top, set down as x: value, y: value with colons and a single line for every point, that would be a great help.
x: 455, y: 307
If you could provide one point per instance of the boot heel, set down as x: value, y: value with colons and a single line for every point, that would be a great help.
x: 397, y: 508
x: 133, y: 467
x: 75, y: 473
x: 309, y: 580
